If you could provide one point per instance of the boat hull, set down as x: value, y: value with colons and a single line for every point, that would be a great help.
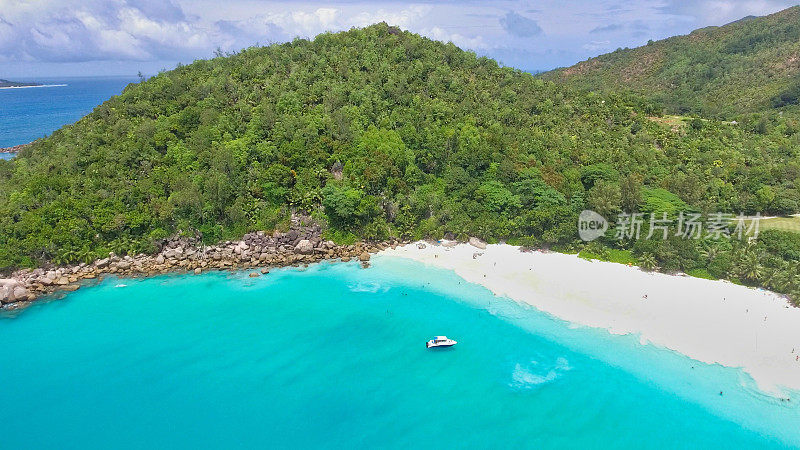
x: 449, y: 344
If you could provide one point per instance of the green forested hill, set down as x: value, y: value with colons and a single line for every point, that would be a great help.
x: 746, y: 66
x: 379, y: 133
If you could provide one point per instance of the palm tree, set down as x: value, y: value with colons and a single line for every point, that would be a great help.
x: 795, y: 270
x: 122, y: 245
x: 751, y: 268
x: 322, y: 176
x: 794, y: 280
x: 648, y: 262
x: 86, y: 255
x: 117, y: 246
x: 777, y: 279
x: 709, y: 252
x: 794, y: 297
x: 64, y: 256
x: 310, y: 199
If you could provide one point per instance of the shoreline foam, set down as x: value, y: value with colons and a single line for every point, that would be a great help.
x: 35, y: 86
x: 302, y: 244
x: 715, y: 322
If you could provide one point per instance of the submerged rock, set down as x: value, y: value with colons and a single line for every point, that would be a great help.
x: 16, y: 306
x: 300, y: 245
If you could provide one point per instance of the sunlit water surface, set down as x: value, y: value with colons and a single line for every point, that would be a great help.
x: 333, y: 356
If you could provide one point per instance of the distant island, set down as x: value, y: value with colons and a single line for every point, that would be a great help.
x: 11, y: 84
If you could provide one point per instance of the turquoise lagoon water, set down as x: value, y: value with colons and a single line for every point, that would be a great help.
x: 333, y: 356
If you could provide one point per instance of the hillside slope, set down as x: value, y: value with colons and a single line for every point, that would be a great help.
x: 378, y: 132
x: 746, y: 66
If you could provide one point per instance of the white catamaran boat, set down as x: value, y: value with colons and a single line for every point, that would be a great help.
x: 440, y: 341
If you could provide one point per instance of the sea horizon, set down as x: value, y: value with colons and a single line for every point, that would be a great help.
x: 30, y: 114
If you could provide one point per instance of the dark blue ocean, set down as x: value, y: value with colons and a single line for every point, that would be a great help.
x: 28, y: 114
x: 334, y: 356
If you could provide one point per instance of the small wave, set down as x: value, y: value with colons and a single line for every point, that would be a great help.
x: 121, y: 285
x: 562, y: 364
x: 525, y: 378
x: 531, y: 376
x: 506, y: 310
x: 372, y: 288
x: 36, y: 86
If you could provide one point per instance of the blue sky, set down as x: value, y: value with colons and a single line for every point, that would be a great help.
x: 41, y: 38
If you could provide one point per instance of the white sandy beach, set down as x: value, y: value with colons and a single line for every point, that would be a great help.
x: 710, y: 321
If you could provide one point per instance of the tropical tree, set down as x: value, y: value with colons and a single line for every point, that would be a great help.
x: 648, y: 262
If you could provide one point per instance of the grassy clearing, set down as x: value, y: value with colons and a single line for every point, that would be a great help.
x: 674, y: 122
x: 781, y: 223
x: 701, y: 273
x: 610, y: 255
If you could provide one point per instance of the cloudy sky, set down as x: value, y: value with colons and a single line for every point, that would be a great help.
x: 41, y: 38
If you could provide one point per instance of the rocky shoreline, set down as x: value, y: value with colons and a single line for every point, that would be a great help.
x: 14, y: 149
x: 257, y: 250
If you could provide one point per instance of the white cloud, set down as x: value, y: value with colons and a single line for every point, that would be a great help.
x: 597, y: 45
x: 474, y: 43
x: 520, y: 26
x: 96, y: 30
x: 144, y: 31
x: 405, y: 18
